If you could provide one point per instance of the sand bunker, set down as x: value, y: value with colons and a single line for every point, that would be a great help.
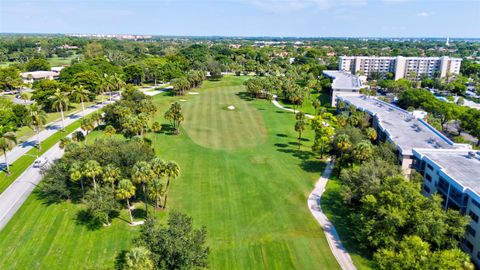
x: 231, y: 107
x: 193, y: 93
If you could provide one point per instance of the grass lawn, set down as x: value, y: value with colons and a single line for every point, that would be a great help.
x: 336, y: 212
x: 307, y: 106
x: 251, y: 195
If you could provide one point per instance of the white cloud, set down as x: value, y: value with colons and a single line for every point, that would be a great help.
x: 424, y: 14
x: 282, y: 6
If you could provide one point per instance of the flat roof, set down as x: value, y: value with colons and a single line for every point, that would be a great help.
x: 401, y: 127
x: 343, y: 79
x: 457, y: 164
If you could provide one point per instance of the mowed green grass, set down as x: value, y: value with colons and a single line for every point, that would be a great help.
x: 252, y: 199
x: 210, y: 123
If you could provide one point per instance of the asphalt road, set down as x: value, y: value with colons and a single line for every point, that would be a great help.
x: 22, y: 148
x: 15, y: 195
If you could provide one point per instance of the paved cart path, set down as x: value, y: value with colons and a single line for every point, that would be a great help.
x: 338, y: 250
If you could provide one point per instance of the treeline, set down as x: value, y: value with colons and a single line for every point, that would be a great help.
x: 442, y: 113
x: 388, y: 215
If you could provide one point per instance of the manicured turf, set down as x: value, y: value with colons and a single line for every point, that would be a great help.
x: 251, y: 197
x: 211, y: 124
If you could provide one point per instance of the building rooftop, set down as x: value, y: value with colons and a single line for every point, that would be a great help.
x: 461, y: 165
x: 41, y: 74
x: 401, y: 127
x: 343, y: 79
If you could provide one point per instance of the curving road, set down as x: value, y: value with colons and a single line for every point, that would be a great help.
x: 338, y: 250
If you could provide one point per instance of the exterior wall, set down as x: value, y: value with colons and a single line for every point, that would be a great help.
x: 434, y: 183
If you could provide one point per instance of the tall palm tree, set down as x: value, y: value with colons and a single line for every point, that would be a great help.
x: 363, y: 151
x: 37, y: 119
x: 7, y: 141
x: 342, y: 143
x: 142, y: 174
x: 87, y: 125
x: 125, y: 191
x: 80, y: 94
x: 371, y: 134
x: 118, y: 82
x: 111, y: 174
x: 76, y: 175
x: 60, y: 103
x: 92, y: 169
x: 172, y: 171
x: 138, y: 258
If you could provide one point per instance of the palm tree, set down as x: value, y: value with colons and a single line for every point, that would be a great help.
x: 342, y: 143
x: 363, y: 151
x: 172, y: 171
x: 125, y: 191
x: 60, y: 103
x: 156, y: 191
x: 92, y: 169
x: 87, y: 125
x: 7, y: 141
x: 80, y: 94
x: 143, y: 174
x: 138, y: 258
x: 76, y: 174
x: 78, y: 136
x: 371, y: 134
x: 64, y: 142
x: 118, y: 83
x: 111, y: 174
x: 37, y: 119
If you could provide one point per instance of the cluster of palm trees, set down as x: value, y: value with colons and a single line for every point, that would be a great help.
x: 193, y: 79
x: 152, y: 177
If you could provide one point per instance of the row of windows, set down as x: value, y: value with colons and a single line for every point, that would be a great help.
x: 473, y: 216
x: 471, y: 231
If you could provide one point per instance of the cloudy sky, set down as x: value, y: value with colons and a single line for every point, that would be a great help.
x: 297, y: 18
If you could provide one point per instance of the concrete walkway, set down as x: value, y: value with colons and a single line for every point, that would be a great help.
x: 338, y: 250
x: 278, y: 105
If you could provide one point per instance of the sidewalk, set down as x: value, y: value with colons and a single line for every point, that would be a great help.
x: 338, y: 250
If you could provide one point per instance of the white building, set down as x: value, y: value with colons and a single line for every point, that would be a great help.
x: 449, y: 169
x: 455, y: 176
x: 401, y: 67
x: 343, y: 83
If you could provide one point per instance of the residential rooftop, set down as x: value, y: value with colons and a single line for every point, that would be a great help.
x: 462, y: 165
x: 401, y: 127
x: 343, y: 79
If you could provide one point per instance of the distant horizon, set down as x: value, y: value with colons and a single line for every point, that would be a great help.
x: 246, y: 36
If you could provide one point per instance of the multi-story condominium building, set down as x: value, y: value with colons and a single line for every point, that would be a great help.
x: 449, y: 169
x: 401, y: 67
x: 401, y: 128
x: 455, y: 176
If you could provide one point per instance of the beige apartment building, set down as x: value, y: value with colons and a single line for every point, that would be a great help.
x: 401, y: 67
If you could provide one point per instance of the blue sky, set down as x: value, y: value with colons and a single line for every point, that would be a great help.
x: 298, y: 18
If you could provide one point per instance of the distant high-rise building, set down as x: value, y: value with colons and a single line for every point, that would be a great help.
x: 447, y: 43
x: 401, y: 67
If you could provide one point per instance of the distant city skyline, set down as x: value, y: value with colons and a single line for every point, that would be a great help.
x: 246, y: 18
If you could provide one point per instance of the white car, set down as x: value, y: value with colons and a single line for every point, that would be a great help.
x: 40, y: 162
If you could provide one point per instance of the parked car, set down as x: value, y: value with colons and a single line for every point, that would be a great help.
x: 40, y: 162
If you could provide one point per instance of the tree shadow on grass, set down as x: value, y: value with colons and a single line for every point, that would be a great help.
x: 282, y: 135
x: 85, y: 219
x: 139, y: 213
x: 120, y: 259
x: 245, y: 96
x: 167, y: 129
x: 281, y: 145
x: 313, y: 165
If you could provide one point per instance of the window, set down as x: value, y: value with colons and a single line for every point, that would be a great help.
x: 430, y: 167
x: 469, y: 246
x: 477, y: 204
x: 427, y: 189
x: 478, y: 255
x: 473, y: 216
x: 471, y: 231
x: 428, y: 177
